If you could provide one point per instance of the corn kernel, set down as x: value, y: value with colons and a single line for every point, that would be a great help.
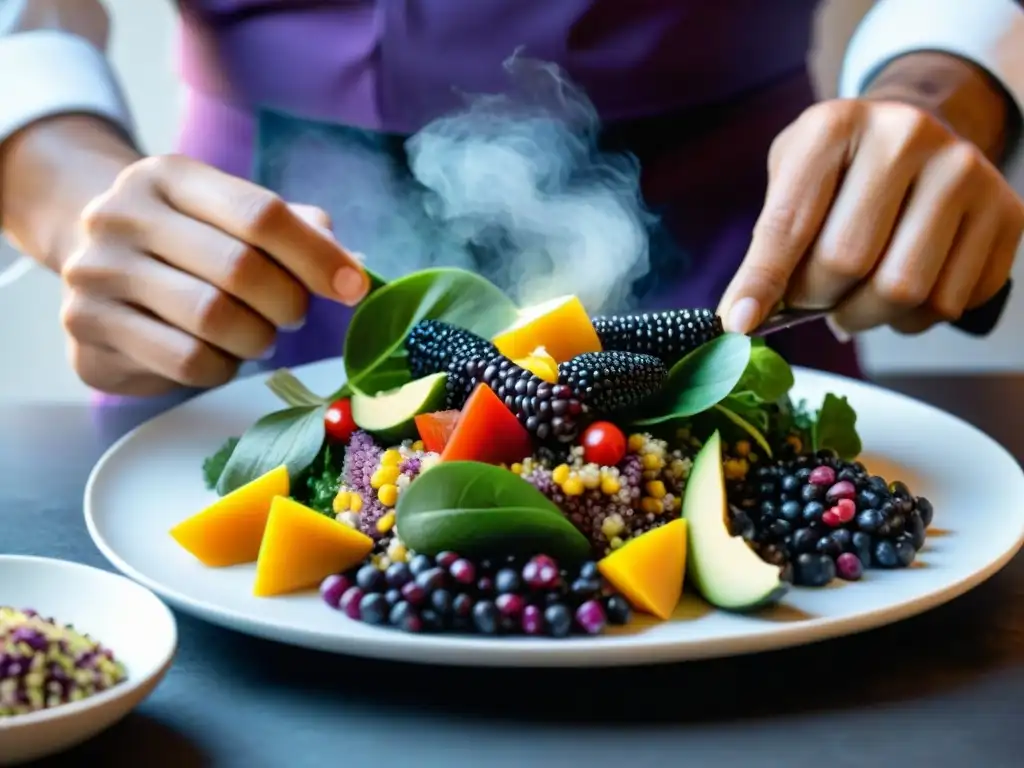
x: 560, y: 474
x: 796, y: 442
x: 572, y: 486
x: 652, y: 461
x: 616, y: 542
x: 742, y: 448
x: 517, y: 468
x: 612, y: 526
x: 355, y: 503
x: 656, y: 488
x: 386, y: 523
x: 388, y: 495
x: 398, y: 552
x: 418, y: 446
x: 591, y: 478
x: 610, y: 486
x: 735, y: 469
x: 384, y: 476
x: 652, y: 506
x: 636, y: 443
x: 391, y: 458
x: 341, y: 501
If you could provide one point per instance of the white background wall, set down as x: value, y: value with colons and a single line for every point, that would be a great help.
x: 31, y: 346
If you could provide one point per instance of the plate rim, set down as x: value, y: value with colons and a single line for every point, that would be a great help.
x: 125, y: 690
x: 584, y: 652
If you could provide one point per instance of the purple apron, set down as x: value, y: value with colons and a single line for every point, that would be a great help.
x: 696, y: 90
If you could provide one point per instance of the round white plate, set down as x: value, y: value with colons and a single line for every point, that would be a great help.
x: 118, y: 613
x: 151, y: 479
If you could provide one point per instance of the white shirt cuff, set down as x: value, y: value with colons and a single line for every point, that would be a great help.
x: 49, y: 72
x: 989, y: 33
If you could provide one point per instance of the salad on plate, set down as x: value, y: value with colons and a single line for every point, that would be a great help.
x: 495, y: 470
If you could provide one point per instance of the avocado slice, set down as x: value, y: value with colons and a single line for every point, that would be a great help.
x: 723, y: 568
x: 390, y: 416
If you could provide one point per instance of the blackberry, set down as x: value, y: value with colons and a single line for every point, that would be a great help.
x: 433, y: 346
x: 820, y: 508
x: 612, y: 381
x: 669, y: 335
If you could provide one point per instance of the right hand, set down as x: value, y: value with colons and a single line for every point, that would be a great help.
x: 182, y: 272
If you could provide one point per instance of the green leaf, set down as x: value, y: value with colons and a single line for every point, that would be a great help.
x: 750, y: 407
x: 379, y: 326
x: 213, y: 466
x: 702, y: 379
x: 479, y: 509
x: 289, y: 389
x: 292, y: 437
x: 767, y: 374
x: 835, y: 428
x: 747, y: 427
x: 376, y: 281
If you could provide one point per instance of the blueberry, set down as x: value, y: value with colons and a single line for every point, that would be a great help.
x: 432, y: 620
x: 462, y: 606
x: 905, y: 551
x: 878, y: 485
x: 400, y: 612
x: 585, y: 588
x: 431, y: 579
x: 445, y: 559
x: 790, y: 511
x: 828, y: 546
x: 373, y: 608
x: 413, y: 593
x: 463, y: 571
x: 885, y: 554
x: 420, y: 563
x: 848, y: 473
x: 618, y: 610
x: 924, y: 507
x: 485, y: 617
x: 916, y: 530
x: 862, y: 547
x: 398, y: 574
x: 814, y: 570
x: 507, y: 581
x: 869, y: 520
x: 812, y: 492
x: 813, y: 511
x: 558, y: 620
x: 779, y: 528
x: 868, y: 499
x: 803, y: 474
x: 370, y: 578
x: 589, y: 570
x: 441, y: 601
x: 790, y: 484
x: 767, y: 489
x: 899, y: 490
x: 804, y: 540
x: 844, y: 538
x: 768, y: 511
x: 393, y: 596
x: 485, y: 586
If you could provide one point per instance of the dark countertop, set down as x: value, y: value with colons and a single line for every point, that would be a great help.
x: 943, y: 689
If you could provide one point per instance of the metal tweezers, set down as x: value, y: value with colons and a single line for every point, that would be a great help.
x: 980, y: 321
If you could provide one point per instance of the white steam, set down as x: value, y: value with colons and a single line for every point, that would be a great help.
x: 513, y: 186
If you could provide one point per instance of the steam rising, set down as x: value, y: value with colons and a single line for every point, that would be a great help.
x: 512, y: 185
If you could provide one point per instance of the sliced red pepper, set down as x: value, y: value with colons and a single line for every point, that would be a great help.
x: 487, y: 432
x: 436, y: 428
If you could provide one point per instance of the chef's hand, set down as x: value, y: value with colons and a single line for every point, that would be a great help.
x: 879, y: 210
x: 182, y: 272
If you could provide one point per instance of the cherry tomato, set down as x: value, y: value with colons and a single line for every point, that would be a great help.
x: 338, y: 422
x: 603, y: 444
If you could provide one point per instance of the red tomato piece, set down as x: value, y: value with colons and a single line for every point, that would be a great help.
x: 487, y: 432
x: 338, y: 421
x: 603, y: 444
x: 436, y: 428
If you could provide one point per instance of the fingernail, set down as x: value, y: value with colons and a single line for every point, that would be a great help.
x: 841, y: 336
x: 294, y: 326
x: 350, y: 285
x: 268, y: 352
x: 744, y: 315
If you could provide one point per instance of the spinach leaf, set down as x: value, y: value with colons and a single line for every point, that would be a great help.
x: 479, y: 509
x: 767, y: 374
x: 701, y: 380
x: 292, y: 437
x: 383, y: 320
x: 317, y: 486
x: 835, y: 428
x: 213, y: 465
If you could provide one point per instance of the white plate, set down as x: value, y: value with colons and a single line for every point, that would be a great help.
x: 118, y: 613
x: 151, y: 479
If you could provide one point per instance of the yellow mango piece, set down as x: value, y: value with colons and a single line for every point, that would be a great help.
x: 540, y: 364
x: 649, y: 570
x: 561, y: 326
x: 229, y: 531
x: 301, y: 548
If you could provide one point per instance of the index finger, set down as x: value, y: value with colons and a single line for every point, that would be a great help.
x: 263, y: 220
x: 800, y: 192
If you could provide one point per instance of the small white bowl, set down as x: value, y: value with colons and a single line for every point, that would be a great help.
x: 117, y: 613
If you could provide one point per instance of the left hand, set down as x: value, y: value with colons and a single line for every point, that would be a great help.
x: 877, y: 209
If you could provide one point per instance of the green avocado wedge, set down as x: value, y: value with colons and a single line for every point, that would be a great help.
x: 390, y: 416
x: 722, y: 567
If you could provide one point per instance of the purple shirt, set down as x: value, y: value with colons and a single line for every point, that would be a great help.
x: 732, y: 72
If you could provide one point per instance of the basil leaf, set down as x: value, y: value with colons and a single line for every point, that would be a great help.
x: 292, y: 437
x: 835, y: 428
x: 213, y: 465
x: 479, y: 509
x: 747, y: 427
x: 383, y: 320
x: 701, y: 380
x: 767, y: 374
